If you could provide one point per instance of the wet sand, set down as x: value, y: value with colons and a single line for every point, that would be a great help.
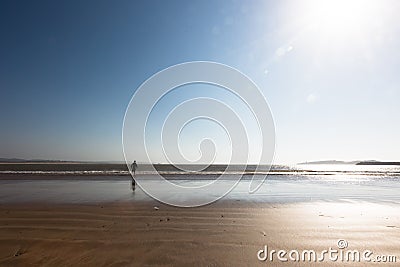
x: 227, y: 233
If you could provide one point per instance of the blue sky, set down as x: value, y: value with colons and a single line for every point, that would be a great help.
x: 329, y: 70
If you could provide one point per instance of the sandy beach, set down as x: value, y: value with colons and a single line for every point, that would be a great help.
x: 227, y: 233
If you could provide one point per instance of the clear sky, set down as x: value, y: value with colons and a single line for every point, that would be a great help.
x: 329, y: 70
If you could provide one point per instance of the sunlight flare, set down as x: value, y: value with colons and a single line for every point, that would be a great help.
x: 342, y: 17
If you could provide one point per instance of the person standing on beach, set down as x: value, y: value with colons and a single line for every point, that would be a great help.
x: 133, y: 169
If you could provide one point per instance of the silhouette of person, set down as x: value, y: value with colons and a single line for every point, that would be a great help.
x: 133, y: 168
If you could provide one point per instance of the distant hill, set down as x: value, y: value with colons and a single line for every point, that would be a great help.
x: 358, y: 162
x: 12, y: 160
x: 18, y: 160
x: 330, y: 162
x: 378, y: 163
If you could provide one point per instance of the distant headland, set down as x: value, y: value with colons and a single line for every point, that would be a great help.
x: 358, y: 162
x: 378, y: 163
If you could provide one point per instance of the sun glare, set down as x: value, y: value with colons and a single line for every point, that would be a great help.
x: 342, y: 17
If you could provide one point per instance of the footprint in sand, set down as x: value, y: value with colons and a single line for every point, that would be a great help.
x: 19, y: 252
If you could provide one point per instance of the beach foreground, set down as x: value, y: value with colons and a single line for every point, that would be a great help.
x: 227, y: 233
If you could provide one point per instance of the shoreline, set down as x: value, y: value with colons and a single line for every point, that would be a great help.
x: 103, y: 190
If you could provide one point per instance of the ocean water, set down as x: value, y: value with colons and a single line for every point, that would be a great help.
x: 302, y: 183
